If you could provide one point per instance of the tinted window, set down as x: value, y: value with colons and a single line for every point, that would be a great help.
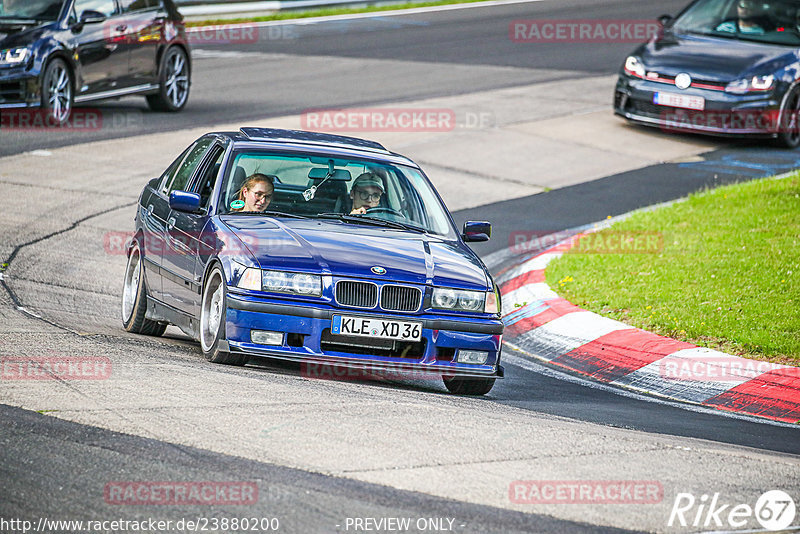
x: 769, y: 21
x: 106, y: 7
x: 137, y: 5
x: 189, y: 165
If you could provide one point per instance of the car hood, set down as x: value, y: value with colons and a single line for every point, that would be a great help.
x: 12, y: 35
x: 712, y: 58
x: 351, y: 250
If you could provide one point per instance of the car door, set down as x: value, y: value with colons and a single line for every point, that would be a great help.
x: 182, y: 235
x: 101, y: 58
x: 142, y: 21
x: 155, y: 212
x: 192, y: 227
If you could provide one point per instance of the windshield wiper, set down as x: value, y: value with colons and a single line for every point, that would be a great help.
x: 374, y: 221
x: 269, y: 213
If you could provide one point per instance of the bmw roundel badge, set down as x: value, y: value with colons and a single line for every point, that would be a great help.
x: 378, y: 270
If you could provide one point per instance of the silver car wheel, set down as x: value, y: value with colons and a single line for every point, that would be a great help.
x: 130, y: 288
x: 211, y: 311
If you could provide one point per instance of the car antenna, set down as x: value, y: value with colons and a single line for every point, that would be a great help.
x: 309, y: 193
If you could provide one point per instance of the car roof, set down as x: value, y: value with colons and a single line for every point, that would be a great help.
x: 340, y: 145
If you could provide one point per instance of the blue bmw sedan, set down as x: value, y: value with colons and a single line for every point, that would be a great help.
x: 721, y: 67
x: 317, y: 248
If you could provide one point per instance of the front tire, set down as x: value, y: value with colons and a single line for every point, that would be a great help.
x: 789, y: 124
x: 134, y: 298
x: 212, y: 320
x: 468, y: 386
x: 174, y: 80
x: 57, y: 94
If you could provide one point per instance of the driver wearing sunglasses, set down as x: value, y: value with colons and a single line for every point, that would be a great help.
x: 751, y: 18
x: 366, y: 193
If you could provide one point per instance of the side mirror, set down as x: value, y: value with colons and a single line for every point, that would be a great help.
x: 184, y: 201
x: 476, y: 231
x: 88, y: 17
x: 664, y: 20
x: 92, y: 17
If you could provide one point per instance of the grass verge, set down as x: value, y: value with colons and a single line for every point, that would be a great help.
x: 727, y: 277
x: 326, y: 12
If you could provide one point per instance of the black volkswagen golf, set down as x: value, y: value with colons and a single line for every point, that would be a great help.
x: 55, y: 53
x: 721, y: 67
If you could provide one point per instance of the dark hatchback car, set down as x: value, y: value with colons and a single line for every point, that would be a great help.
x: 55, y: 53
x: 721, y: 67
x: 351, y: 262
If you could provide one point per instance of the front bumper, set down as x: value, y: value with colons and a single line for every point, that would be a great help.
x: 725, y: 114
x: 19, y: 89
x: 307, y: 338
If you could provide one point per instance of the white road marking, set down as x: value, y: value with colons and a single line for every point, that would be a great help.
x: 531, y: 365
x: 374, y: 14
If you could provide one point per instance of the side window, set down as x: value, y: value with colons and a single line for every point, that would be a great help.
x: 129, y: 6
x: 189, y: 165
x: 208, y: 176
x: 166, y: 178
x: 106, y: 7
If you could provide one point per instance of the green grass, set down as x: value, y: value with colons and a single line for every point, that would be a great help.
x: 326, y: 12
x: 728, y: 276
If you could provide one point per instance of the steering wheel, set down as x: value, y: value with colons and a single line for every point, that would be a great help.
x: 381, y: 209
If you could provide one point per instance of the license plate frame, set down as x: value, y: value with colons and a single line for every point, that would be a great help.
x: 376, y: 327
x: 675, y: 100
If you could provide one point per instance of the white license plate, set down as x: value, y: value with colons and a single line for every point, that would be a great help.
x: 680, y: 101
x: 373, y: 327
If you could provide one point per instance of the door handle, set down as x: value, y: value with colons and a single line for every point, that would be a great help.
x: 170, y: 223
x: 149, y: 209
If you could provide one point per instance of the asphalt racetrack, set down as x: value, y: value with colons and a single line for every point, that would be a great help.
x: 545, y: 156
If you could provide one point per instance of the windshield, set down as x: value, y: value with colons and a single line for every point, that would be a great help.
x: 767, y: 21
x: 358, y: 192
x: 30, y: 9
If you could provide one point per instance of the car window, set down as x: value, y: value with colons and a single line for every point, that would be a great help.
x: 768, y: 21
x: 129, y: 6
x: 106, y: 7
x: 407, y: 196
x: 208, y: 177
x: 188, y: 165
x: 35, y: 9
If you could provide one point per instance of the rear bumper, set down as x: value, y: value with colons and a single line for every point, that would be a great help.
x: 307, y: 338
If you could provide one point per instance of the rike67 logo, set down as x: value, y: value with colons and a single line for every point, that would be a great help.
x: 774, y: 510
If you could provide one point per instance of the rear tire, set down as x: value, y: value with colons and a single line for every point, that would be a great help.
x: 468, y: 386
x: 789, y: 125
x: 134, y: 298
x: 212, y: 320
x: 174, y: 80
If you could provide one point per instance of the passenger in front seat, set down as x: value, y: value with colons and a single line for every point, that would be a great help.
x: 256, y: 193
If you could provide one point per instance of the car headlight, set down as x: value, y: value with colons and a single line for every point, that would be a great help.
x: 634, y: 66
x: 281, y: 282
x: 14, y: 56
x: 756, y: 83
x: 458, y: 299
